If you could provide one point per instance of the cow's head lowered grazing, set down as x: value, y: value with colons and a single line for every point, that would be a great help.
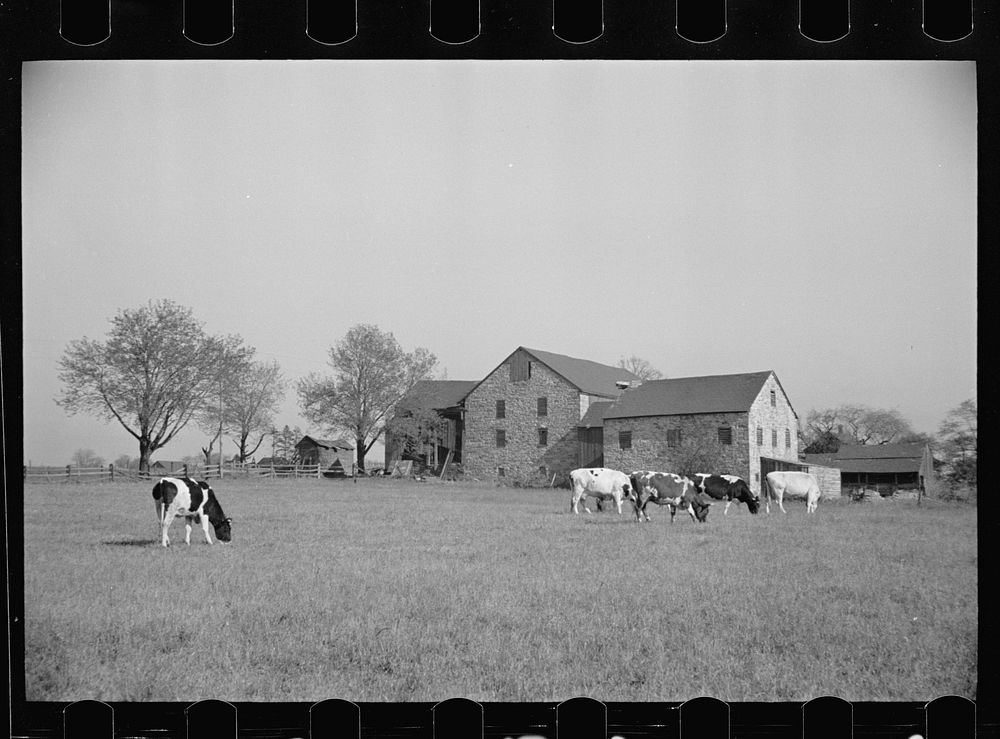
x: 195, y: 502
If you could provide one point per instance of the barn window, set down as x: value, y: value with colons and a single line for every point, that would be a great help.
x: 543, y: 437
x: 501, y: 438
x: 760, y: 436
x: 624, y: 439
x: 774, y: 437
x: 543, y: 406
x: 520, y: 367
x: 501, y: 471
x: 501, y: 409
x: 673, y: 437
x: 774, y: 399
x: 788, y: 439
x: 725, y: 435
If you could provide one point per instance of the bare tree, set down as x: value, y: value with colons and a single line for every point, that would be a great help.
x: 153, y: 373
x: 234, y: 358
x: 253, y: 398
x: 640, y: 367
x: 852, y: 423
x: 371, y: 372
x: 124, y: 461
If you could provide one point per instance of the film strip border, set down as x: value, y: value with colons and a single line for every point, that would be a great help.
x: 948, y: 717
x: 373, y: 27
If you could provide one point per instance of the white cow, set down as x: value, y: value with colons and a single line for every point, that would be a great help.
x: 602, y: 483
x: 793, y: 484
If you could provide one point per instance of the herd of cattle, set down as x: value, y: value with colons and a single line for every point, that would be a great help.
x: 195, y: 501
x: 680, y: 491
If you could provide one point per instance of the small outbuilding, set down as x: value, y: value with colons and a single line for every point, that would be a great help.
x: 887, y: 468
x: 335, y: 454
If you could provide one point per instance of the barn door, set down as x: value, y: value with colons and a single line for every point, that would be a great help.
x: 591, y: 447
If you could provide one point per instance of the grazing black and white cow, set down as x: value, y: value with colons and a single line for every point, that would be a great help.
x: 727, y: 488
x: 195, y: 501
x: 792, y: 484
x: 668, y: 488
x: 601, y: 483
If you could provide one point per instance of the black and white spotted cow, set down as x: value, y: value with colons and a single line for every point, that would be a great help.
x: 668, y: 488
x: 192, y: 500
x: 601, y: 483
x: 727, y: 488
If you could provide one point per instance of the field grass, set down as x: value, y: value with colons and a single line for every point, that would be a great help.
x: 389, y: 590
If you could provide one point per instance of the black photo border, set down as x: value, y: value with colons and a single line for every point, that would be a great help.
x: 510, y: 29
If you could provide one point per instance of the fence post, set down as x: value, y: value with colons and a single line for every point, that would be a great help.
x: 69, y: 472
x: 111, y: 471
x: 319, y: 474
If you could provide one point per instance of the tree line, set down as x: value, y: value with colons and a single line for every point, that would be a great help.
x: 158, y: 370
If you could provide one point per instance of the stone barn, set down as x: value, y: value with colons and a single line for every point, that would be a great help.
x: 522, y: 421
x: 446, y: 399
x: 743, y: 423
x: 330, y: 454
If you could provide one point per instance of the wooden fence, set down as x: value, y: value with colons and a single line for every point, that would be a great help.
x: 72, y: 474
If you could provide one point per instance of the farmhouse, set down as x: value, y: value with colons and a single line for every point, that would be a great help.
x: 741, y: 424
x: 522, y: 420
x: 445, y: 398
x: 334, y: 454
x: 886, y: 468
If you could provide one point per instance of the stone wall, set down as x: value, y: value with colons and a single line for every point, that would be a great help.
x: 778, y: 417
x: 828, y: 479
x: 699, y: 435
x: 522, y: 459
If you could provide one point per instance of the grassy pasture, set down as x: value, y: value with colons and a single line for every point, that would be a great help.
x: 386, y: 590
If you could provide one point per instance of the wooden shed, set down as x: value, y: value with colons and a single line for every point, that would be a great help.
x: 328, y: 453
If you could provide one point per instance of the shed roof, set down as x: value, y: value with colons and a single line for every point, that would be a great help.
x: 892, y: 464
x: 873, y: 458
x: 326, y: 443
x: 590, y: 377
x: 880, y: 451
x: 691, y: 395
x: 594, y: 417
x: 436, y: 394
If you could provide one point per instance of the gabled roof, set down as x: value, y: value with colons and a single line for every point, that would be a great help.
x: 327, y: 443
x: 594, y: 417
x: 589, y: 377
x: 690, y: 395
x: 436, y: 394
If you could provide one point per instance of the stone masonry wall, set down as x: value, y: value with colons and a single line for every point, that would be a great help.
x: 828, y: 479
x: 522, y: 459
x: 778, y: 417
x: 649, y: 442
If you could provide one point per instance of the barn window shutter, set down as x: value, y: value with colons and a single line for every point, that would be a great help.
x: 501, y: 471
x: 543, y: 406
x: 760, y: 436
x: 774, y: 437
x: 774, y: 398
x: 501, y: 438
x: 673, y: 437
x: 625, y: 439
x: 543, y: 437
x: 788, y: 438
x: 501, y: 409
x: 725, y: 435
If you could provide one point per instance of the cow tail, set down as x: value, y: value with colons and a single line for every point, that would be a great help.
x: 157, y: 495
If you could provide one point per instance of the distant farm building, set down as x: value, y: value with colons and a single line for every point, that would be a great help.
x: 887, y: 468
x: 330, y: 454
x: 443, y: 398
x: 742, y: 424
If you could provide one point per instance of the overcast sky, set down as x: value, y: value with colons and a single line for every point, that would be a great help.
x: 814, y: 218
